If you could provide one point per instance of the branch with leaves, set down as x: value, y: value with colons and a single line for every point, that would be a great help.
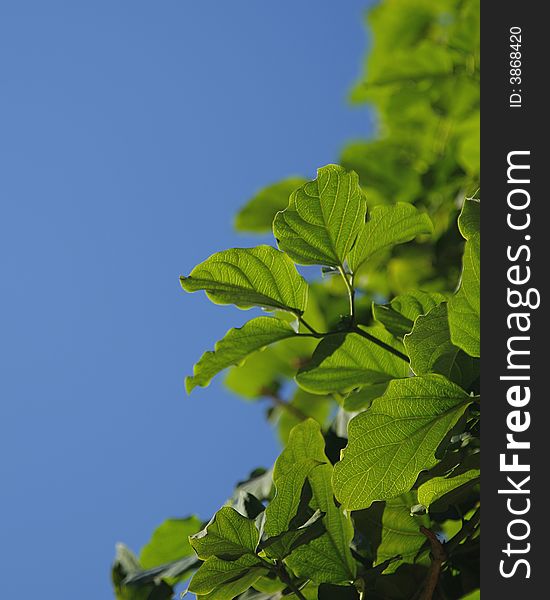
x: 372, y: 370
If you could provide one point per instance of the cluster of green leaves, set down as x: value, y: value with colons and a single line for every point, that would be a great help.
x: 371, y: 371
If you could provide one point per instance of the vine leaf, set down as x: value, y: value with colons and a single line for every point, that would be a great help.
x: 228, y: 535
x: 258, y: 213
x: 399, y: 315
x: 438, y: 488
x: 261, y: 276
x: 323, y: 218
x: 327, y: 558
x: 219, y: 579
x: 430, y: 349
x: 236, y: 345
x: 343, y: 362
x: 396, y: 438
x: 388, y: 226
x: 390, y: 529
x: 464, y: 305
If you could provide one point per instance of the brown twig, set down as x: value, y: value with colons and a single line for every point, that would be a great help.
x: 439, y: 556
x: 281, y: 402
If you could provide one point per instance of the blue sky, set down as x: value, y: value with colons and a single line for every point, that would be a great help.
x: 130, y: 132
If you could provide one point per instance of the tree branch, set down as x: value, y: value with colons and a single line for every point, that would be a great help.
x: 281, y: 402
x: 439, y: 556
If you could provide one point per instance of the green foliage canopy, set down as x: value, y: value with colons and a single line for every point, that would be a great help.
x: 372, y: 371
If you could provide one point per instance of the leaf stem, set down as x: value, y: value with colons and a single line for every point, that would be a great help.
x: 310, y: 328
x: 351, y: 294
x: 380, y: 343
x: 287, y: 580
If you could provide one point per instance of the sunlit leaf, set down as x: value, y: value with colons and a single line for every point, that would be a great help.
x: 343, y: 362
x: 326, y: 559
x: 261, y: 276
x: 437, y: 488
x: 464, y: 305
x: 322, y: 220
x: 228, y: 534
x: 304, y: 451
x: 217, y: 575
x: 396, y: 438
x: 430, y: 349
x: 399, y: 315
x: 387, y: 226
x: 236, y: 345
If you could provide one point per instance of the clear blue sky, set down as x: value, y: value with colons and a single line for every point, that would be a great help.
x: 130, y: 132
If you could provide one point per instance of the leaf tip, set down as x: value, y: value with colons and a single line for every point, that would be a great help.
x: 190, y: 384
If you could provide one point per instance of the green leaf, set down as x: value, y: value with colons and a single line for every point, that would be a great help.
x: 326, y: 559
x: 393, y: 441
x: 430, y: 349
x: 169, y: 542
x: 282, y: 545
x: 435, y: 489
x: 386, y: 227
x: 399, y: 315
x: 228, y: 534
x: 472, y: 595
x: 362, y: 398
x: 170, y: 572
x: 464, y: 305
x: 305, y: 450
x: 259, y: 484
x: 265, y: 370
x: 125, y: 567
x: 216, y: 573
x: 236, y: 345
x: 232, y: 589
x: 261, y: 276
x: 258, y: 213
x: 469, y: 219
x: 312, y: 405
x: 322, y: 220
x: 343, y: 362
x: 391, y: 531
